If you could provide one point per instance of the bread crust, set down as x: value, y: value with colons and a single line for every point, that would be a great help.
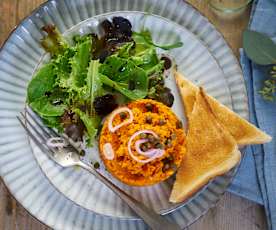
x: 244, y: 132
x: 215, y: 153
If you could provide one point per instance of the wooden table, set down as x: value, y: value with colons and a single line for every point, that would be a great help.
x: 231, y: 213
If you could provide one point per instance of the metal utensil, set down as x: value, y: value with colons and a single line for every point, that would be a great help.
x: 69, y: 156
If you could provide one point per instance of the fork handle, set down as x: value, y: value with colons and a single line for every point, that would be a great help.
x: 151, y: 218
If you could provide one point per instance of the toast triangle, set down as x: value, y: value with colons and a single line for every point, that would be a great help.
x: 243, y: 132
x: 215, y: 154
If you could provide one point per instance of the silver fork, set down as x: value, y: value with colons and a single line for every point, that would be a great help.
x: 69, y: 156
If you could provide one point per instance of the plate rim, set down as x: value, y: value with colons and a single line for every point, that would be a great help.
x: 193, y: 36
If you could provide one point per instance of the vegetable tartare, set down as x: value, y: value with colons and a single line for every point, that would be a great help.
x: 142, y: 143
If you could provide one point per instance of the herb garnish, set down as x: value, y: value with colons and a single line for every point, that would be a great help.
x: 262, y: 50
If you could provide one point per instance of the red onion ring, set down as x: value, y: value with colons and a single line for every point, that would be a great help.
x: 152, y: 154
x: 56, y: 142
x: 125, y: 122
x: 108, y: 151
x: 148, y: 153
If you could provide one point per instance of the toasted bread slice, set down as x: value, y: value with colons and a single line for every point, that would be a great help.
x: 211, y: 151
x: 243, y: 132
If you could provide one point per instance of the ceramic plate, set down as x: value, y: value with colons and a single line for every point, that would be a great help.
x: 193, y: 60
x: 26, y: 173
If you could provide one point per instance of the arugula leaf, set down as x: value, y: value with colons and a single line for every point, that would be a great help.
x: 123, y: 88
x: 156, y: 69
x: 146, y: 59
x: 125, y: 50
x: 94, y: 83
x: 45, y: 108
x: 143, y: 56
x: 144, y: 37
x: 116, y: 68
x: 54, y: 42
x: 41, y: 83
x: 124, y: 76
x: 91, y: 124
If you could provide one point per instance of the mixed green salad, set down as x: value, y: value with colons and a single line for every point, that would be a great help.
x: 89, y: 76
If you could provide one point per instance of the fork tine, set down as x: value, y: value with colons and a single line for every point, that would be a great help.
x: 38, y: 143
x: 32, y: 114
x: 42, y: 137
x: 35, y: 118
x: 48, y: 131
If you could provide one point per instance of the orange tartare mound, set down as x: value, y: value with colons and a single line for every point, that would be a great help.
x: 115, y: 145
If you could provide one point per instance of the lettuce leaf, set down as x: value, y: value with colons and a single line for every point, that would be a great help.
x: 54, y: 42
x: 124, y: 76
x: 94, y: 83
x: 62, y: 64
x: 75, y: 81
x: 45, y: 108
x: 42, y: 82
x: 80, y: 62
x: 91, y: 124
x: 53, y: 122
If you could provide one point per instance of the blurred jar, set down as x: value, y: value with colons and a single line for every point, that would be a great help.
x: 228, y: 8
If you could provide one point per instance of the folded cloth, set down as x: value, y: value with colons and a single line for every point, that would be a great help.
x: 245, y: 183
x: 263, y: 115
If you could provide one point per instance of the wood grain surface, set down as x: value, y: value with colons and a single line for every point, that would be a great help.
x: 231, y: 213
